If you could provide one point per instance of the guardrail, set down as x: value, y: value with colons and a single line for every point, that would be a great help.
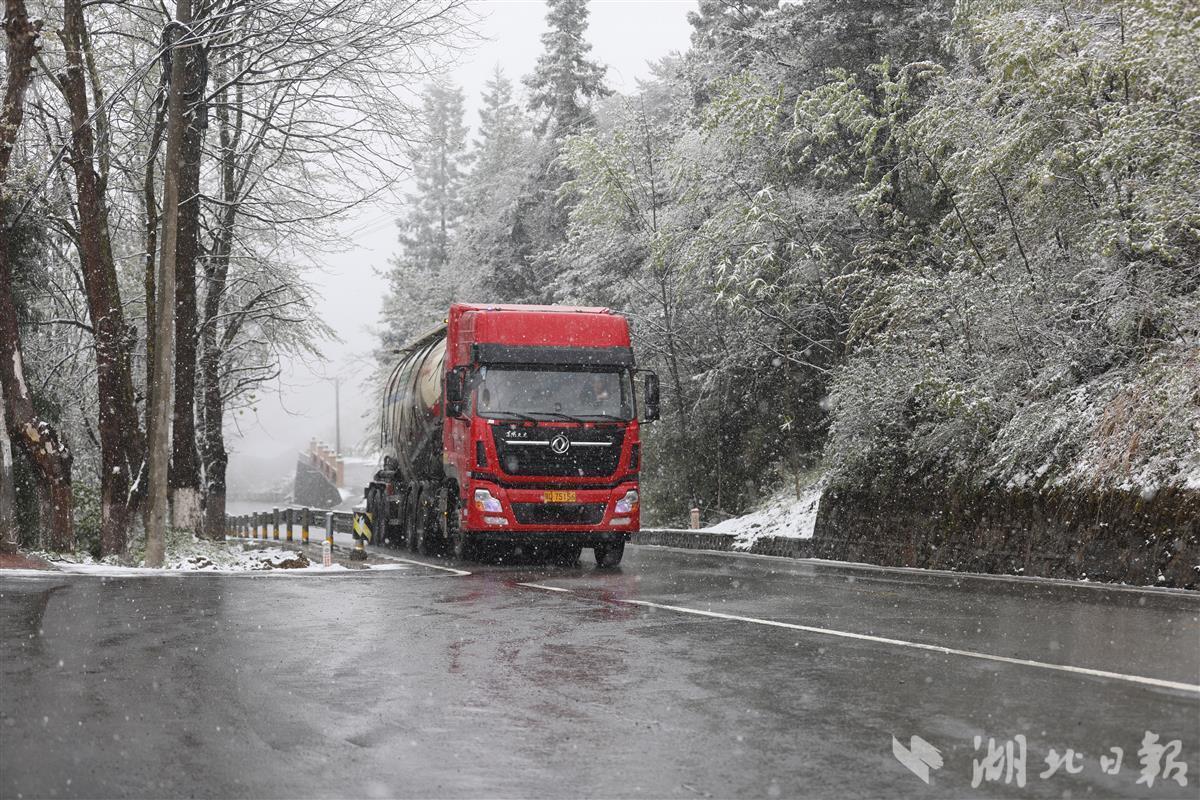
x: 288, y: 524
x: 294, y: 523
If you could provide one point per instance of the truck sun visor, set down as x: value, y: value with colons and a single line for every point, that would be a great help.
x: 491, y: 353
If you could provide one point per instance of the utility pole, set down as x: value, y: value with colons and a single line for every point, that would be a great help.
x: 337, y: 417
x: 158, y: 447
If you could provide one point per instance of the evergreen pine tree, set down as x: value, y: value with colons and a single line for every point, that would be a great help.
x: 420, y: 281
x: 501, y: 129
x: 565, y: 81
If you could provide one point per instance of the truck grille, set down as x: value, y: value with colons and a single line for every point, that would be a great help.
x: 558, y: 513
x: 593, y: 452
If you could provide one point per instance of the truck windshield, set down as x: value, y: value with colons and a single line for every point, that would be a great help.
x: 561, y: 393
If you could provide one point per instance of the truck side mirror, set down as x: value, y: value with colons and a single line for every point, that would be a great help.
x: 456, y: 392
x: 651, y: 411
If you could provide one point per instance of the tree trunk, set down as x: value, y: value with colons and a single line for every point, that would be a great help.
x: 9, y: 538
x: 121, y: 445
x: 215, y: 275
x: 22, y: 43
x: 150, y: 210
x: 159, y: 434
x: 48, y: 454
x: 185, y: 461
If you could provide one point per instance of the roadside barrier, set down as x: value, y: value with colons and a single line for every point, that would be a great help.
x: 254, y: 526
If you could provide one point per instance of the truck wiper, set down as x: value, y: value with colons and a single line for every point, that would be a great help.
x: 602, y: 415
x: 560, y: 415
x: 516, y: 414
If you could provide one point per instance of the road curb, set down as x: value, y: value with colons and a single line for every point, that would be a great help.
x: 806, y: 550
x: 783, y: 546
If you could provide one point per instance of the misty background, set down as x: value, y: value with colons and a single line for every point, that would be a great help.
x: 626, y: 36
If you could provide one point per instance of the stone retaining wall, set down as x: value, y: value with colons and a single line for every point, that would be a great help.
x: 1109, y: 535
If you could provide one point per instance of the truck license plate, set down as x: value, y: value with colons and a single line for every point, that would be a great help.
x: 558, y: 497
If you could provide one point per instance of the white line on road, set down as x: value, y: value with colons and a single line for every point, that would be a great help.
x: 865, y: 637
x: 451, y: 570
x: 547, y: 588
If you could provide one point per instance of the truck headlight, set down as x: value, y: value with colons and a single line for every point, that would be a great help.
x: 627, y: 503
x: 484, y: 501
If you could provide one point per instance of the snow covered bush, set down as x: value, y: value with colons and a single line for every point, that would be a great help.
x: 1038, y: 320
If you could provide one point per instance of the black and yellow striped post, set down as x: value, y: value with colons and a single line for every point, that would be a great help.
x: 254, y: 525
x: 305, y: 521
x: 329, y: 527
x: 287, y: 521
x: 275, y: 524
x: 361, y: 528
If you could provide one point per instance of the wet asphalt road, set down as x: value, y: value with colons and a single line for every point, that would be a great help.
x: 763, y: 678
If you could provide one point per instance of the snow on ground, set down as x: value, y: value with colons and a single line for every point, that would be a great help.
x: 199, y: 555
x: 782, y: 515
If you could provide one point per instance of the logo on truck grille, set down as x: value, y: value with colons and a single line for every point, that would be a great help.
x: 560, y: 444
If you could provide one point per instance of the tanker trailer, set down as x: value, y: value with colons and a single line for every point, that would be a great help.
x: 513, y: 424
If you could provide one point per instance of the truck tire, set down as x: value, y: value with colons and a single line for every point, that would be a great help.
x: 609, y: 555
x: 423, y: 517
x: 377, y: 509
x: 463, y: 546
x: 400, y: 530
x: 410, y: 519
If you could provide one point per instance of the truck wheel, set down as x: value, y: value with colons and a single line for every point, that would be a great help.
x: 465, y: 546
x: 411, y: 507
x: 377, y: 508
x: 422, y: 518
x: 609, y: 555
x: 400, y: 532
x: 462, y: 545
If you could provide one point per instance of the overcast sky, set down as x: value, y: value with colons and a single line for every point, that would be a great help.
x: 625, y: 35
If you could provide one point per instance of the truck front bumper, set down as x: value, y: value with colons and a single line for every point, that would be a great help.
x: 507, y: 512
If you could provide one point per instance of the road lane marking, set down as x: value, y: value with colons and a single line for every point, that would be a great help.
x: 866, y: 637
x: 377, y: 550
x: 451, y: 570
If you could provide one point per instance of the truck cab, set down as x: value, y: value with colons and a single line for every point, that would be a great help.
x: 538, y: 420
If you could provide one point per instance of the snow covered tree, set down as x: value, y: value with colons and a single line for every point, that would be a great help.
x: 492, y: 251
x: 501, y: 136
x: 420, y: 283
x: 565, y: 80
x: 40, y: 441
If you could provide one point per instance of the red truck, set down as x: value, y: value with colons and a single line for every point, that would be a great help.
x: 517, y: 424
